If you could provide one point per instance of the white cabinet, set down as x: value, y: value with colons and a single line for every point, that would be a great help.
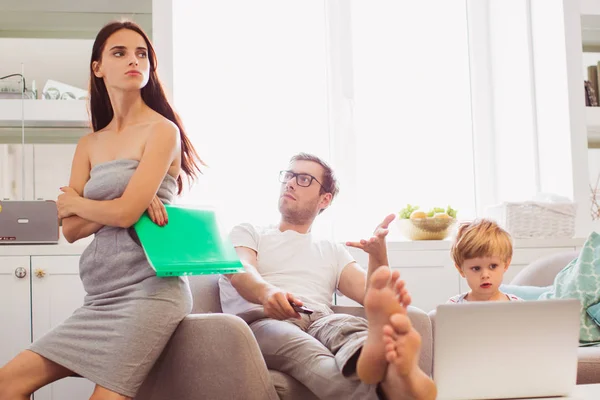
x: 430, y: 276
x: 33, y: 304
x: 57, y: 291
x: 428, y: 285
x: 15, y: 321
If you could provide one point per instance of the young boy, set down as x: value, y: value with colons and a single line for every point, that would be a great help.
x: 482, y: 253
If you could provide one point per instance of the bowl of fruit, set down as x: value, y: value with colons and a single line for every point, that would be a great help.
x: 417, y: 224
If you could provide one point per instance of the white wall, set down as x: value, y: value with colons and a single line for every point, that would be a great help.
x: 162, y: 40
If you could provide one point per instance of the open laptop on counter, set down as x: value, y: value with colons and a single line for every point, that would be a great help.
x: 28, y: 222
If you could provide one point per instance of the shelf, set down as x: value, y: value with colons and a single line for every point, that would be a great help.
x: 592, y: 119
x: 69, y: 19
x: 45, y: 121
x: 590, y: 33
x: 590, y: 25
x: 589, y: 7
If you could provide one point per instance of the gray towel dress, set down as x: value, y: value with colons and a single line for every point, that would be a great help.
x: 128, y: 314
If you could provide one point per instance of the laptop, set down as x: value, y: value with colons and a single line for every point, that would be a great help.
x: 28, y: 222
x: 506, y: 350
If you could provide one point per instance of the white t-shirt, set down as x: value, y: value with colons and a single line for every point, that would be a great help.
x: 301, y: 264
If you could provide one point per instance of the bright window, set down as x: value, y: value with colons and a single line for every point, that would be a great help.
x: 255, y: 83
x: 250, y: 84
x: 412, y: 113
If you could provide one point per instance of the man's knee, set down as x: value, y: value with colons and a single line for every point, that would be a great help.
x: 343, y: 321
x: 335, y: 329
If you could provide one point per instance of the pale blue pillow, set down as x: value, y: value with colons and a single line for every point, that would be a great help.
x: 594, y: 312
x: 525, y: 292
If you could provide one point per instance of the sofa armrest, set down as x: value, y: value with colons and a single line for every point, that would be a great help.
x: 422, y: 324
x: 210, y: 356
x: 542, y: 271
x: 420, y: 321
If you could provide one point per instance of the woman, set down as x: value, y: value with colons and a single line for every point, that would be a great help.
x: 132, y: 161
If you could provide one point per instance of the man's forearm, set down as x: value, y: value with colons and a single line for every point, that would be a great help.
x: 376, y: 262
x: 75, y: 228
x: 250, y: 285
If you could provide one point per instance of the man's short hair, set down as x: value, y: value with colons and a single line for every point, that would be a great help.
x: 329, y: 184
x: 481, y: 238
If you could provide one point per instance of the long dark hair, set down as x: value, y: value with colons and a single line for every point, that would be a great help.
x: 152, y: 94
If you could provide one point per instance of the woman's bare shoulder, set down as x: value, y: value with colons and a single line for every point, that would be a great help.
x: 161, y: 121
x: 165, y: 129
x: 88, y: 139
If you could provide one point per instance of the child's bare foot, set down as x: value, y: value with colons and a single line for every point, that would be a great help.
x: 385, y: 296
x: 404, y: 378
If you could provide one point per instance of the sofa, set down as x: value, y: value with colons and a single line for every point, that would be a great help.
x: 215, y: 356
x: 541, y: 273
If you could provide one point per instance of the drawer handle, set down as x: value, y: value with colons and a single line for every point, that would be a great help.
x: 40, y: 273
x: 20, y: 272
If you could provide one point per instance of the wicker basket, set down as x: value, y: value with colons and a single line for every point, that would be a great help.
x: 536, y: 220
x: 426, y: 228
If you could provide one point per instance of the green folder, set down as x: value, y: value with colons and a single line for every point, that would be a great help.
x: 190, y: 244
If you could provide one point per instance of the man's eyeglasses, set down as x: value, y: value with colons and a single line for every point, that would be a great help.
x: 303, y: 180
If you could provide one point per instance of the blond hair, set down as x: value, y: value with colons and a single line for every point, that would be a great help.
x: 481, y: 238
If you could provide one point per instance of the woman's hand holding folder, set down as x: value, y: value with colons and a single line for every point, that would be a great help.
x: 157, y: 212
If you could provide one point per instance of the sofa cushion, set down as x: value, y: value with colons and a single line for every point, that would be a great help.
x: 525, y: 292
x: 542, y: 272
x: 594, y: 312
x: 205, y: 292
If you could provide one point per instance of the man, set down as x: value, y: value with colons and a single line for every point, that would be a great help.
x: 336, y: 356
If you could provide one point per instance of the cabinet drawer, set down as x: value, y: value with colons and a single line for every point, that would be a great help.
x: 408, y: 259
x: 56, y: 264
x: 15, y: 307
